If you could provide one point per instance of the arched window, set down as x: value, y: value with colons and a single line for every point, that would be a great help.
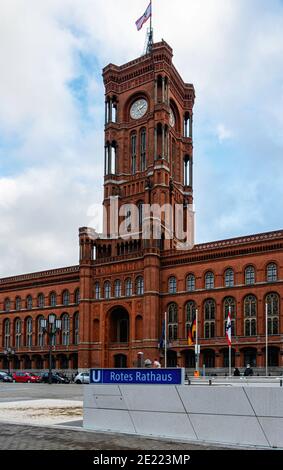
x: 143, y: 149
x: 118, y: 288
x: 249, y: 275
x: 29, y: 302
x: 97, y: 290
x: 134, y: 153
x: 7, y: 305
x: 40, y: 301
x: 76, y: 328
x: 40, y: 334
x: 209, y: 318
x: 229, y: 278
x: 139, y: 285
x: 29, y: 332
x: 77, y: 296
x: 173, y: 322
x: 190, y: 311
x: 129, y: 288
x: 107, y: 290
x: 250, y: 311
x: 271, y: 272
x: 272, y: 301
x: 191, y: 283
x: 7, y: 330
x: 140, y: 213
x: 187, y: 171
x: 230, y: 304
x: 65, y: 329
x: 110, y: 159
x: 53, y: 299
x: 172, y: 285
x: 18, y: 333
x: 18, y: 303
x: 209, y: 280
x: 66, y: 298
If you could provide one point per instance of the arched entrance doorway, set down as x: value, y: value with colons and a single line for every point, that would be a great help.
x: 171, y: 359
x: 250, y: 356
x: 189, y: 358
x: 120, y: 361
x: 119, y: 325
x: 225, y: 356
x: 208, y: 358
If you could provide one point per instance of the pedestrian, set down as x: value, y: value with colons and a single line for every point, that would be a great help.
x: 147, y: 363
x: 248, y: 371
x: 156, y: 364
x: 237, y: 373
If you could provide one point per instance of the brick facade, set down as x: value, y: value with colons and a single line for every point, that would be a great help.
x: 125, y: 284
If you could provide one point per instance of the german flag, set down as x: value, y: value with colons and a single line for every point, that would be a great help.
x: 192, y: 332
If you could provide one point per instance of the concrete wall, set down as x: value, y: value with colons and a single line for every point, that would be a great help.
x: 243, y: 416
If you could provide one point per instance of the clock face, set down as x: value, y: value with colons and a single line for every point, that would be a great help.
x: 172, y: 121
x: 139, y: 109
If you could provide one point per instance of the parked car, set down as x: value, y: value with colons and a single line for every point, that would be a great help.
x: 25, y: 377
x: 64, y: 377
x: 4, y: 377
x: 82, y: 378
x: 56, y: 378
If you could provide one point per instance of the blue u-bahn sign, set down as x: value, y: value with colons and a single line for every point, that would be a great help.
x: 137, y: 376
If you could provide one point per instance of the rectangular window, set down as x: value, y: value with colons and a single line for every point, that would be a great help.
x: 143, y: 150
x: 134, y: 153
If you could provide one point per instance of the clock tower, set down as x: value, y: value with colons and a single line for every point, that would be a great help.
x: 148, y: 141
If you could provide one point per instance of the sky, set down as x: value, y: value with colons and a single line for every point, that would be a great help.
x: 52, y: 116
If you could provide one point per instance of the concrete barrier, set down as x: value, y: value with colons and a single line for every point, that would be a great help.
x: 245, y: 416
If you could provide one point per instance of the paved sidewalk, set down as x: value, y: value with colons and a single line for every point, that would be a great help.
x: 22, y: 437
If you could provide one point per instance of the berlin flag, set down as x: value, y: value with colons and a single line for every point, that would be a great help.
x: 229, y: 329
x: 143, y: 19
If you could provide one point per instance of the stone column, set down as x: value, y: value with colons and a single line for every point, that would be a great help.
x: 191, y: 126
x: 191, y: 172
x: 163, y: 140
x: 116, y: 158
x: 110, y: 110
x: 109, y: 159
x: 106, y: 112
x: 168, y: 146
x: 105, y: 160
x: 155, y: 90
x: 163, y: 89
x: 155, y: 143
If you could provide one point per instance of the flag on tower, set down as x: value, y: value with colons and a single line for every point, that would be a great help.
x: 143, y: 19
x: 192, y: 332
x: 229, y: 328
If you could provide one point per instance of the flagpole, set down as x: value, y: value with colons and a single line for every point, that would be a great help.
x: 266, y: 339
x: 197, y: 355
x: 230, y: 346
x: 165, y: 341
x: 151, y: 29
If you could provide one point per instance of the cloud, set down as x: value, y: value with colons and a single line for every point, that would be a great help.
x: 52, y: 105
x: 223, y: 133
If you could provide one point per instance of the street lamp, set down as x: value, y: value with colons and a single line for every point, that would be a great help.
x: 51, y: 326
x: 9, y: 353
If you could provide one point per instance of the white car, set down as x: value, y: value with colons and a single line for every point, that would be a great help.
x: 82, y: 378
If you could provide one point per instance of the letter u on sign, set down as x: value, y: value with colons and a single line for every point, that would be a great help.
x: 96, y: 376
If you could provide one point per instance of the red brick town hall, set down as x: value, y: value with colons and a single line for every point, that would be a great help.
x: 111, y: 305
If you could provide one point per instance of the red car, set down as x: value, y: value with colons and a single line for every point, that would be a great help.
x: 25, y: 377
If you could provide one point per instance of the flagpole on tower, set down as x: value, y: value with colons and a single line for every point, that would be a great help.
x: 150, y: 36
